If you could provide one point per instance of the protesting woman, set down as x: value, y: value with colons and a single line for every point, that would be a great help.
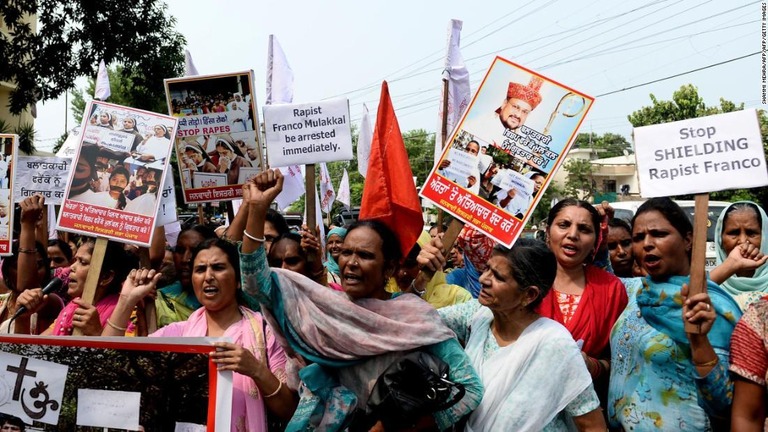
x: 176, y: 302
x: 254, y: 355
x: 520, y: 355
x: 741, y: 243
x: 584, y: 298
x: 89, y: 319
x: 661, y: 376
x: 742, y: 248
x: 333, y: 242
x: 27, y: 268
x: 370, y: 328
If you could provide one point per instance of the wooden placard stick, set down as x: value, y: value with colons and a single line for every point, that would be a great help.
x: 444, y: 130
x: 94, y: 271
x: 698, y: 281
x: 309, y: 198
x: 200, y: 214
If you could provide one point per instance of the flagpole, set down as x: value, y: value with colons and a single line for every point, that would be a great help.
x: 444, y: 130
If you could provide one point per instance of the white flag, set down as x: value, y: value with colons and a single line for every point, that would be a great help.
x: 458, y: 86
x: 103, y: 90
x: 364, y: 142
x: 280, y: 90
x: 189, y: 65
x: 279, y: 74
x: 344, y: 196
x: 293, y: 186
x: 327, y: 194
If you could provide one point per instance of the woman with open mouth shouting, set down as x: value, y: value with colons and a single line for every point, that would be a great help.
x: 348, y: 338
x: 254, y: 355
x: 584, y: 298
x: 661, y: 376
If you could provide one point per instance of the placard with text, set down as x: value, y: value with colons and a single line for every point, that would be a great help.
x: 152, y: 384
x: 308, y: 133
x: 119, y: 169
x: 701, y: 155
x: 9, y: 149
x: 218, y: 133
x: 517, y: 130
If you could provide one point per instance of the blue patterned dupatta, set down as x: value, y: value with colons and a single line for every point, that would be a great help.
x: 661, y: 306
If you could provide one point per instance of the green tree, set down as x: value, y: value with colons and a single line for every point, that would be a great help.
x: 73, y: 35
x: 606, y: 145
x: 580, y: 181
x: 686, y: 103
x: 26, y: 133
x: 123, y: 93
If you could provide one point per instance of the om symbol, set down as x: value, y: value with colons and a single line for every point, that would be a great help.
x: 39, y: 392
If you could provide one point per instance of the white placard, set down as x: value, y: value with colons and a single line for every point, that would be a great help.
x: 701, y: 155
x: 509, y: 179
x: 166, y: 213
x: 44, y: 175
x: 189, y: 427
x: 108, y: 409
x: 246, y: 174
x: 308, y: 133
x: 463, y: 165
x: 208, y: 180
x: 111, y: 139
x: 31, y: 389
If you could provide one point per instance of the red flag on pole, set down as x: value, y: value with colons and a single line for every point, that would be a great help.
x: 390, y: 195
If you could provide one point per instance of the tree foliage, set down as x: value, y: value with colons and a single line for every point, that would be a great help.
x: 26, y: 133
x: 73, y: 35
x: 686, y: 103
x: 606, y: 145
x: 580, y: 181
x: 123, y: 93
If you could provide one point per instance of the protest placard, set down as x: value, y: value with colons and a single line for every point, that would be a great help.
x: 113, y: 190
x: 700, y: 155
x: 67, y: 382
x: 43, y: 175
x: 308, y: 133
x: 519, y: 121
x: 166, y: 213
x: 218, y: 132
x: 9, y: 149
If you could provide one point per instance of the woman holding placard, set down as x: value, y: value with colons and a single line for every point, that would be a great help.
x: 661, y: 376
x: 254, y: 355
x: 89, y: 319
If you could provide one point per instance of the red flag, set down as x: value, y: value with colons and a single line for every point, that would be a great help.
x: 390, y: 194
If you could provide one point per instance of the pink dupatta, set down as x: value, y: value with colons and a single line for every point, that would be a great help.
x: 248, y: 410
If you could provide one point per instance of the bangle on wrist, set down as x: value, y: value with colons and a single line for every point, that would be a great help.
x: 274, y: 393
x: 254, y: 238
x: 709, y: 363
x: 111, y: 324
x: 416, y: 290
x: 27, y: 251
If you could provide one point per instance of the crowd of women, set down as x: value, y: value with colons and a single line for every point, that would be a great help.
x: 583, y: 331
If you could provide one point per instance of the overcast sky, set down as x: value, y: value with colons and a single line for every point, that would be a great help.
x: 345, y: 48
